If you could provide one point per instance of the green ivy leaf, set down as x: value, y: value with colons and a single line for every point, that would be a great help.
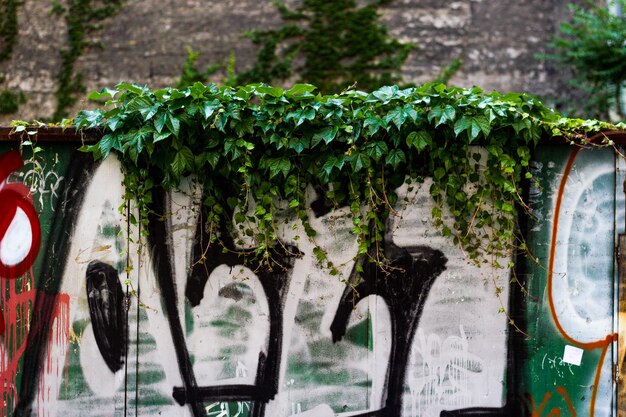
x: 271, y: 91
x: 383, y: 94
x: 113, y: 122
x: 157, y: 137
x: 141, y: 104
x: 279, y: 166
x: 377, y: 149
x: 326, y: 134
x: 359, y: 161
x: 301, y: 115
x: 300, y: 90
x: 183, y: 159
x: 86, y: 119
x: 104, y: 93
x: 372, y: 124
x: 473, y: 125
x: 159, y: 121
x: 133, y: 88
x: 442, y: 115
x: 419, y: 140
x: 329, y: 165
x: 439, y: 173
x: 399, y: 115
x: 173, y: 124
x: 298, y: 143
x: 107, y: 143
x: 209, y: 107
x: 395, y: 157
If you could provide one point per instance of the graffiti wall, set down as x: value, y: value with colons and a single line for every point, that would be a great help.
x: 578, y: 213
x: 95, y: 324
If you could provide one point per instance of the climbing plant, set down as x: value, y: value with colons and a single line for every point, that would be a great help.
x: 330, y: 44
x: 257, y: 148
x: 82, y: 17
x: 8, y: 27
x: 592, y: 44
x: 10, y: 100
x: 191, y: 73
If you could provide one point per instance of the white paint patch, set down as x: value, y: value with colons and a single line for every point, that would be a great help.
x: 184, y: 205
x: 319, y: 411
x: 17, y: 240
x: 459, y: 352
x: 99, y: 377
x: 572, y: 355
x: 582, y: 281
x: 89, y: 242
x: 443, y: 373
x: 231, y: 327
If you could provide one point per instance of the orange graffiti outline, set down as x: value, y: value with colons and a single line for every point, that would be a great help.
x: 603, y: 343
x: 536, y: 411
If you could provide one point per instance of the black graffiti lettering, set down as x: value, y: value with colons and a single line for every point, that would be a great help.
x: 404, y: 288
x: 55, y: 253
x: 106, y: 308
x: 478, y: 412
x: 275, y: 285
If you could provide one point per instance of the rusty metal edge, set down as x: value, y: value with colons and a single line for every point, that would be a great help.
x: 70, y: 134
x: 50, y: 134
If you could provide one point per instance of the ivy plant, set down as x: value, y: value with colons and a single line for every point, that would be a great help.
x: 593, y: 45
x: 8, y: 27
x: 256, y: 148
x: 10, y: 100
x: 330, y: 44
x: 82, y: 17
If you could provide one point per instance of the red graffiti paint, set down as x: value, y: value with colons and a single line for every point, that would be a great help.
x: 14, y: 198
x: 19, y: 245
x: 18, y: 297
x: 52, y: 371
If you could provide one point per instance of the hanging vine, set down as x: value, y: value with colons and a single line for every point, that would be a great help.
x: 329, y: 44
x: 8, y: 27
x: 264, y: 145
x: 83, y: 17
x: 10, y: 100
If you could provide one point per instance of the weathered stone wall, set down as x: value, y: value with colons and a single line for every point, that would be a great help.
x: 145, y: 43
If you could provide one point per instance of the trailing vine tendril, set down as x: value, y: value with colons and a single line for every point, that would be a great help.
x: 263, y: 145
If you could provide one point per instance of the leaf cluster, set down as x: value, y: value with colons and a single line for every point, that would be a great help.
x: 10, y: 101
x: 8, y: 27
x: 82, y: 17
x: 256, y: 148
x: 329, y: 44
x: 191, y: 73
x: 593, y: 45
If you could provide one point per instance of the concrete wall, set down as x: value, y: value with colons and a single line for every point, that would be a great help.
x: 145, y: 43
x: 86, y: 335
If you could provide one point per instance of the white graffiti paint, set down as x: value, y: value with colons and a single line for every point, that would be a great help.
x: 443, y: 374
x: 42, y: 180
x: 458, y: 355
x: 17, y: 241
x: 231, y: 328
x: 583, y: 264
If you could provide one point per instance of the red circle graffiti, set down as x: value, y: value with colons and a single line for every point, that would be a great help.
x: 14, y: 197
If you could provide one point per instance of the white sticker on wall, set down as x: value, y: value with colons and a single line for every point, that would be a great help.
x: 572, y: 355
